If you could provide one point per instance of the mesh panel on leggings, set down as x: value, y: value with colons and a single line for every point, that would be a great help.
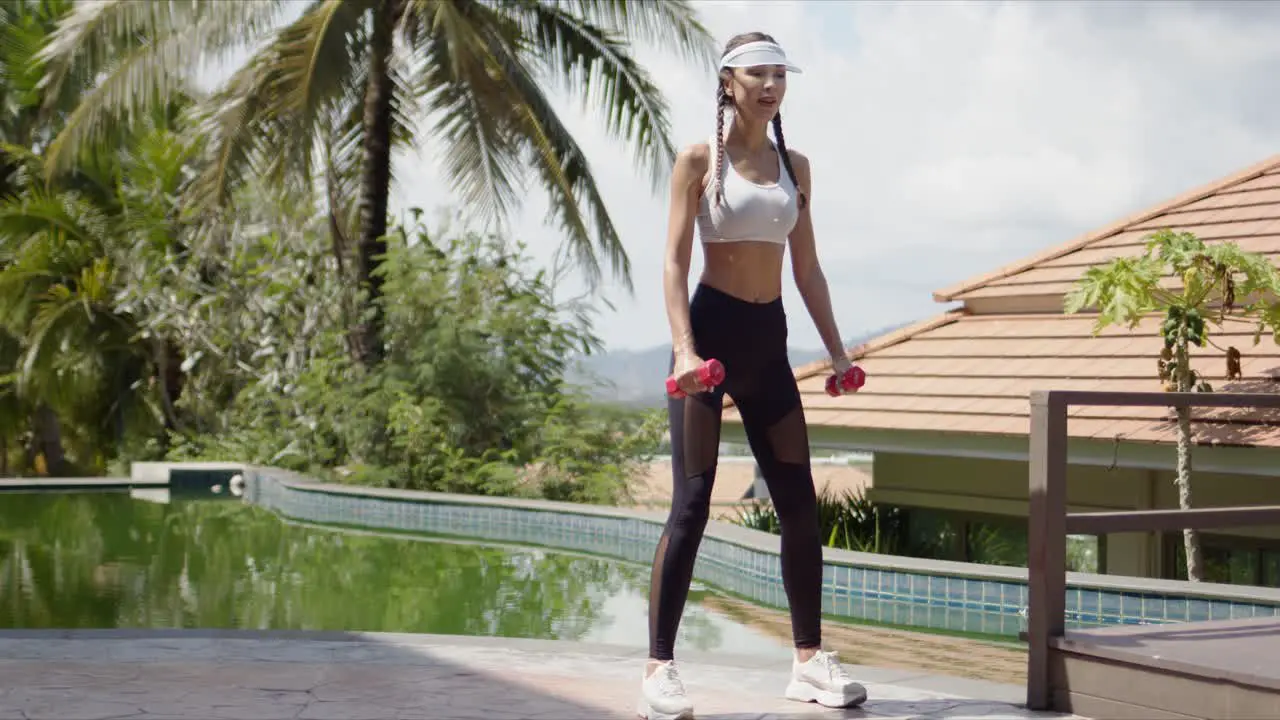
x: 695, y: 440
x: 788, y: 438
x: 775, y: 426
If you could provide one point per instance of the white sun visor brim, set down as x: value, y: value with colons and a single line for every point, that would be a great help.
x: 754, y: 54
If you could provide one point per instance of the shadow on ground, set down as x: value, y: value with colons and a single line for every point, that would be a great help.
x: 201, y: 674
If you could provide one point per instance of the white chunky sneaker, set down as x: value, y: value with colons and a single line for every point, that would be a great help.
x: 823, y: 680
x: 662, y: 695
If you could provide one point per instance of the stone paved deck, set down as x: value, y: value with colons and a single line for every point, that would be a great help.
x: 190, y: 675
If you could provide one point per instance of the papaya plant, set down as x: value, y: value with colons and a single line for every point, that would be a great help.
x: 1196, y: 287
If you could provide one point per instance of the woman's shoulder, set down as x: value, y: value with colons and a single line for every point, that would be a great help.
x: 797, y: 158
x: 695, y: 155
x: 694, y: 159
x: 800, y: 164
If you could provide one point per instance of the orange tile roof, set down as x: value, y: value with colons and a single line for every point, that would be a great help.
x: 971, y: 373
x: 1244, y: 207
x: 974, y: 373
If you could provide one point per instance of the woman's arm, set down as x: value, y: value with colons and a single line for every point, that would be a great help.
x: 810, y: 280
x: 686, y: 187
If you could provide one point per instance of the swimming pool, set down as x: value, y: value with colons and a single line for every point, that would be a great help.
x: 108, y: 560
x: 924, y: 595
x: 932, y: 595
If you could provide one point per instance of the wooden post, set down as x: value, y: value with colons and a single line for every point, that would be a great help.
x: 1046, y: 541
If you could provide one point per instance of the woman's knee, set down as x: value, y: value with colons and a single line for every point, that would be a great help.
x: 792, y: 491
x: 692, y: 514
x: 691, y: 502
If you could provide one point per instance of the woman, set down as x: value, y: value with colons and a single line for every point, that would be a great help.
x: 749, y: 197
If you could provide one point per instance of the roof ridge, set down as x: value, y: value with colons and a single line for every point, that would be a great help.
x: 1256, y: 170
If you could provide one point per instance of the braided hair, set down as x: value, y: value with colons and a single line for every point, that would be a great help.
x: 723, y: 101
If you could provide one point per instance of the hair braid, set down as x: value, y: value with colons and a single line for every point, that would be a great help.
x: 786, y: 157
x: 722, y: 101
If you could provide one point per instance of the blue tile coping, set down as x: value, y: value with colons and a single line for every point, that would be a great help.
x: 955, y: 596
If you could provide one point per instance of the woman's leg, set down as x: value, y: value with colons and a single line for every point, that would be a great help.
x: 773, y: 419
x: 695, y: 444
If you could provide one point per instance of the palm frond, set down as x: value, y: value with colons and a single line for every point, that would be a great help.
x: 68, y: 312
x: 21, y: 167
x: 560, y: 162
x: 233, y: 132
x: 149, y: 52
x: 341, y: 150
x: 28, y: 111
x: 66, y: 225
x: 21, y: 38
x: 312, y: 66
x: 314, y: 56
x: 145, y: 79
x: 44, y: 240
x: 466, y: 93
x: 267, y: 117
x: 595, y: 63
x: 671, y: 25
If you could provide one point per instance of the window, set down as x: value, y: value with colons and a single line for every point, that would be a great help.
x: 1226, y: 559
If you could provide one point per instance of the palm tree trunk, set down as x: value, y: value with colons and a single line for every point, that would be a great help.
x: 375, y: 186
x: 340, y: 246
x: 1190, y: 538
x: 168, y: 360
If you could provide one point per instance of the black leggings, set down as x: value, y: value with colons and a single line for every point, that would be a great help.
x: 750, y: 339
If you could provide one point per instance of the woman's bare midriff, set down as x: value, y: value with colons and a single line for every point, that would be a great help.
x: 747, y: 270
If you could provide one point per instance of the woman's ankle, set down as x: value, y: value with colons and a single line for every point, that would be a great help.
x: 805, y: 653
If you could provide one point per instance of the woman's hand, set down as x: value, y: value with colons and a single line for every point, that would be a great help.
x: 686, y: 372
x: 840, y: 375
x: 840, y: 364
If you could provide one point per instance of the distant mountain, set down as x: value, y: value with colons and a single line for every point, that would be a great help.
x: 635, y: 377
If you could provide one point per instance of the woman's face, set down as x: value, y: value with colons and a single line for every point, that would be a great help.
x: 758, y: 90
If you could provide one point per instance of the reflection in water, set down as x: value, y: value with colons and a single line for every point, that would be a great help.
x: 105, y: 560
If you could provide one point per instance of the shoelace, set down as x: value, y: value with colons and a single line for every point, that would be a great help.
x: 835, y: 670
x: 668, y: 680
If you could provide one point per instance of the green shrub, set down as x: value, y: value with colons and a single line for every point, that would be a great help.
x: 848, y: 521
x: 470, y: 398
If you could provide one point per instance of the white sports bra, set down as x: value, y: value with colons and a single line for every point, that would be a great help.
x: 748, y: 211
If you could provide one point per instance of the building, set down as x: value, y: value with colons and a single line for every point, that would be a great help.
x: 945, y: 409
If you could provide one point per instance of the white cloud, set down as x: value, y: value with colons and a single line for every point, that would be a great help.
x: 948, y: 138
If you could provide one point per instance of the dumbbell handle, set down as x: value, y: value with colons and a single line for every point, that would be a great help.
x: 709, y: 373
x: 850, y: 381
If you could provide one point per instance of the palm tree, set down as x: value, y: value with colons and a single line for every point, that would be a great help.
x: 13, y: 408
x: 72, y: 362
x: 79, y: 355
x: 28, y: 120
x: 342, y: 83
x: 25, y: 116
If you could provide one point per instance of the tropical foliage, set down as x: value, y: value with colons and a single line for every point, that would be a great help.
x: 852, y: 521
x: 331, y: 91
x: 216, y: 274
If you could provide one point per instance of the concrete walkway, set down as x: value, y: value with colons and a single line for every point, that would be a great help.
x: 198, y: 675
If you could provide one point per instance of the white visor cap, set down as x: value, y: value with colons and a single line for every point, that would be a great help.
x: 758, y: 53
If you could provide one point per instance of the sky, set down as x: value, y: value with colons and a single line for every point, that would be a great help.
x: 946, y: 139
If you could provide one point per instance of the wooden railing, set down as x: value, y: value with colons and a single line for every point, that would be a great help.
x: 1049, y: 523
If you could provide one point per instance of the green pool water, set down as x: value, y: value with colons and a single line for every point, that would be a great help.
x: 109, y: 560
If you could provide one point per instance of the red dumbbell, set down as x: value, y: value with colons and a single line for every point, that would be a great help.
x: 850, y: 381
x: 709, y: 373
